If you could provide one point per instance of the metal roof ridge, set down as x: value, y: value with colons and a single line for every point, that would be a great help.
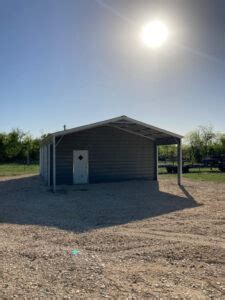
x: 108, y: 121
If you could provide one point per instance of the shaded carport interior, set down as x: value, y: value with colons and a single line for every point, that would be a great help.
x: 157, y: 135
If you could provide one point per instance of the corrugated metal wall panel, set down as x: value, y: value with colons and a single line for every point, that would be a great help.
x: 113, y: 155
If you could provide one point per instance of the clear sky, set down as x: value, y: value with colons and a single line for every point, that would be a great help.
x: 75, y: 62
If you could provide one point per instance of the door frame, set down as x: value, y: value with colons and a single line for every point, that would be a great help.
x: 74, y: 151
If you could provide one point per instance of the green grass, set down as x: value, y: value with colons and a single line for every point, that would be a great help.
x: 18, y: 169
x: 195, y: 174
x: 202, y: 174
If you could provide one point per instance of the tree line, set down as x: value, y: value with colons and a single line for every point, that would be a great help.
x: 19, y: 146
x: 197, y: 145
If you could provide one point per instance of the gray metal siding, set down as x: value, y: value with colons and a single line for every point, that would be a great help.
x: 113, y: 155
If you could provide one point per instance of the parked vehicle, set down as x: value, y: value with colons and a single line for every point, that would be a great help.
x: 211, y: 161
x: 208, y: 162
x: 221, y: 165
x: 173, y: 169
x: 215, y: 161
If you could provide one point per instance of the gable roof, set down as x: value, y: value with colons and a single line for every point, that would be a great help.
x: 129, y: 125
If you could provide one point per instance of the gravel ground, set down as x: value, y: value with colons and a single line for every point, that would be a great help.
x: 134, y: 239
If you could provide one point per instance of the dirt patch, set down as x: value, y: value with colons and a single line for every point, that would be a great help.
x: 135, y: 239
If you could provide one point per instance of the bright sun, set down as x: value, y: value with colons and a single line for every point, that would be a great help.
x: 155, y: 34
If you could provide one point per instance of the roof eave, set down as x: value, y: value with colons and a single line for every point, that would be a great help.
x: 107, y: 122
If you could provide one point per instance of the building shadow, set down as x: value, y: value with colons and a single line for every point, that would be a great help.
x: 27, y: 201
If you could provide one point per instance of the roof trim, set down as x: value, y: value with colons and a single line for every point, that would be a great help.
x: 155, y: 128
x: 85, y: 127
x: 107, y: 122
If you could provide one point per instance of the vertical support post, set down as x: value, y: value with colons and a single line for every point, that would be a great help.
x: 54, y: 166
x: 40, y: 161
x: 41, y: 168
x: 156, y: 161
x: 49, y: 164
x: 179, y: 162
x: 44, y: 163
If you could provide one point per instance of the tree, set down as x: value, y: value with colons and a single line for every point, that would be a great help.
x: 219, y: 145
x: 201, y: 143
x: 34, y: 151
x: 2, y: 147
x: 207, y: 136
x: 168, y: 152
x: 222, y: 143
x: 27, y: 146
x: 18, y: 146
x: 13, y: 144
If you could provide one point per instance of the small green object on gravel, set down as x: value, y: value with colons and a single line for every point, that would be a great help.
x: 74, y: 251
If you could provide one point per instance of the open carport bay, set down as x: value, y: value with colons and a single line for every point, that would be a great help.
x: 134, y: 239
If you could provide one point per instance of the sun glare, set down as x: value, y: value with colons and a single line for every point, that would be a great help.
x: 155, y: 34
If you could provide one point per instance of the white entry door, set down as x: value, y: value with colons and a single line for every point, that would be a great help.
x: 80, y: 166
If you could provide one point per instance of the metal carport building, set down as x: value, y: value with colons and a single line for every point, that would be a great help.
x: 112, y: 150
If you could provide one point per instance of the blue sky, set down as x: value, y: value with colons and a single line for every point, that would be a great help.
x: 76, y: 62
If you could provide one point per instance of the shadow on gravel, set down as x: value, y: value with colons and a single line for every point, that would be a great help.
x: 26, y: 201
